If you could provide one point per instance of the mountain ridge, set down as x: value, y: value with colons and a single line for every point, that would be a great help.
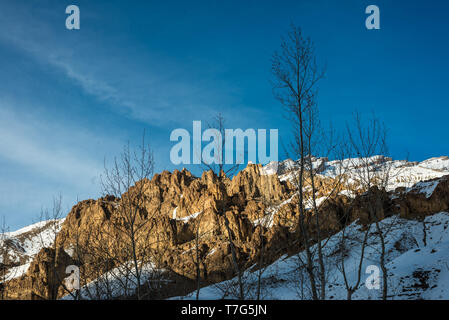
x: 260, y: 203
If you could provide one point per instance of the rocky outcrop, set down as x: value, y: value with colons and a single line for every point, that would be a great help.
x: 423, y: 199
x: 44, y: 277
x: 182, y: 221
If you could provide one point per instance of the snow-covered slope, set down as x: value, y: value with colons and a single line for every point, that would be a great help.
x: 18, y: 248
x: 401, y: 173
x: 118, y: 282
x: 417, y: 251
x: 417, y: 263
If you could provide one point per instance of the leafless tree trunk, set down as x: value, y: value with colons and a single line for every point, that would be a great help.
x: 350, y: 289
x: 198, y: 265
x: 219, y: 169
x: 264, y: 223
x: 3, y: 256
x: 53, y: 218
x: 197, y: 256
x: 296, y: 74
x: 126, y: 179
x: 366, y: 142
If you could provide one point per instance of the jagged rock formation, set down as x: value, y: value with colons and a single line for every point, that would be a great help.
x: 261, y: 209
x: 19, y: 248
x: 43, y: 278
x: 415, y: 203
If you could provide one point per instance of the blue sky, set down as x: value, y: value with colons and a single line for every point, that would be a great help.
x: 68, y: 99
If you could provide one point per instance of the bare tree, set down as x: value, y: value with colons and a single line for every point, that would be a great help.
x: 221, y: 171
x: 368, y: 145
x: 48, y: 237
x: 343, y: 246
x: 263, y: 223
x: 126, y: 180
x: 4, y: 265
x: 296, y: 74
x: 197, y: 249
x: 321, y: 143
x: 198, y: 260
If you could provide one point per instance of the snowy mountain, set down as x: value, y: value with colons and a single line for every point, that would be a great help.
x: 403, y: 173
x: 417, y: 251
x: 417, y: 263
x: 19, y: 248
x: 261, y: 203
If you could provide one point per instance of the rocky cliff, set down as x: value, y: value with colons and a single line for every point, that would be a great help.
x: 182, y: 225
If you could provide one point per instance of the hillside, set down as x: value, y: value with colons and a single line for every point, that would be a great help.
x: 20, y: 247
x: 417, y: 269
x: 183, y: 225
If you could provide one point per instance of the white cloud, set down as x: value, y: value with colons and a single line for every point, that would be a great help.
x: 147, y: 90
x: 40, y: 159
x: 47, y: 149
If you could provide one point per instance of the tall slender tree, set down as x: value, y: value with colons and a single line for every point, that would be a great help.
x: 296, y: 74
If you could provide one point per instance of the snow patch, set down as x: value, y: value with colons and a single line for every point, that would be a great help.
x: 192, y: 216
x: 416, y: 270
x: 426, y: 187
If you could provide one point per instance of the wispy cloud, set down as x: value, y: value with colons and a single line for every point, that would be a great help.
x: 48, y: 150
x: 140, y: 89
x: 40, y: 158
x: 45, y: 153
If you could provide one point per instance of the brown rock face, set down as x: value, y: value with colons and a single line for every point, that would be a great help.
x: 417, y: 203
x: 43, y: 278
x: 182, y: 221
